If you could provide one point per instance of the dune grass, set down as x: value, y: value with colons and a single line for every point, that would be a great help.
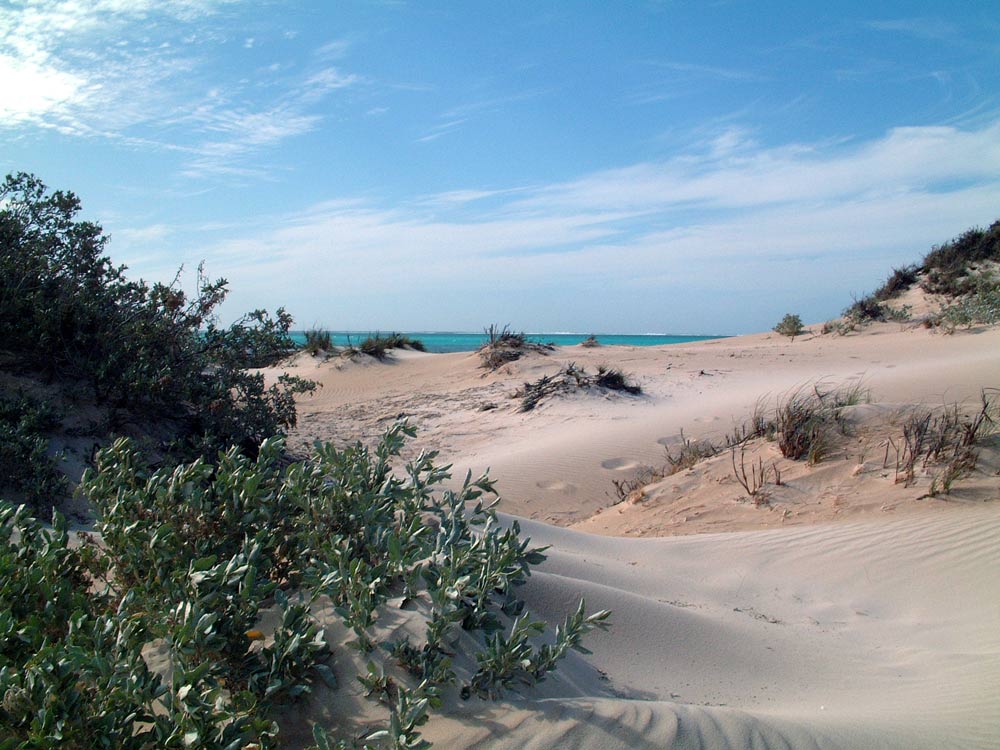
x: 504, y: 346
x: 572, y: 378
x: 376, y: 345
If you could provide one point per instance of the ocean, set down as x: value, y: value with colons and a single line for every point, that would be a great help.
x: 447, y: 341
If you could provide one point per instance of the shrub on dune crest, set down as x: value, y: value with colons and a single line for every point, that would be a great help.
x: 504, y: 345
x: 377, y: 345
x: 791, y: 326
x: 317, y: 341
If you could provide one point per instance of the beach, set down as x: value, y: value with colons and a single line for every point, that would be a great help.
x: 844, y: 608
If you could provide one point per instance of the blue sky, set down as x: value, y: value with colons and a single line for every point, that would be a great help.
x: 680, y: 167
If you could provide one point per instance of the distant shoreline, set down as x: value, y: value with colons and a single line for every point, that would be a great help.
x: 440, y: 342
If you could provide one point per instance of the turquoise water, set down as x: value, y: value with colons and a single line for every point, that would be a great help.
x: 468, y: 342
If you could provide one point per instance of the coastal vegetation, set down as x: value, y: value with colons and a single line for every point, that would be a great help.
x: 82, y: 339
x: 811, y: 424
x: 220, y: 567
x: 963, y: 272
x: 190, y: 616
x: 504, y: 346
x: 572, y: 378
x: 377, y: 345
x: 791, y: 326
x: 318, y: 341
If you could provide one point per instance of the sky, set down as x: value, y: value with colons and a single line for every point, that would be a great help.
x: 594, y: 167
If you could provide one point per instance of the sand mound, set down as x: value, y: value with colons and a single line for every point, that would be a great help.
x: 878, y: 634
x: 878, y: 631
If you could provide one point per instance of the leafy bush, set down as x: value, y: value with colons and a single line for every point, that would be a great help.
x: 790, y: 325
x: 980, y: 305
x: 946, y: 268
x: 25, y: 465
x: 590, y: 342
x: 192, y: 556
x: 140, y: 352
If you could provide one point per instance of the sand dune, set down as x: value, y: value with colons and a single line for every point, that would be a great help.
x: 851, y: 614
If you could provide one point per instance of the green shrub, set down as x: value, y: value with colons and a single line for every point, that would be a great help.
x: 790, y: 325
x: 865, y: 310
x: 26, y: 467
x: 981, y: 305
x: 192, y: 555
x: 899, y: 281
x: 139, y: 352
x: 946, y: 268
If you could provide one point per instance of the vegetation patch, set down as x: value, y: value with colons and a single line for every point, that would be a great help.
x: 377, y: 345
x: 963, y: 271
x: 27, y: 468
x: 504, y: 346
x: 810, y: 424
x: 685, y: 455
x: 949, y: 268
x: 318, y: 342
x: 981, y: 305
x: 791, y: 326
x: 191, y: 560
x: 945, y: 437
x: 802, y: 424
x: 572, y: 378
x: 138, y: 354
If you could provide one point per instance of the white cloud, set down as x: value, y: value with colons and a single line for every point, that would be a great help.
x: 921, y: 27
x: 59, y: 71
x: 31, y: 90
x: 799, y: 224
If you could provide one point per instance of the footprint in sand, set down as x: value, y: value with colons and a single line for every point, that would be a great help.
x: 619, y: 464
x: 556, y: 486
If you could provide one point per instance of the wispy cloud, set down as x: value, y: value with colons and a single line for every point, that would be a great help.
x: 671, y: 79
x: 707, y: 71
x: 60, y: 73
x: 440, y: 130
x: 46, y: 48
x: 734, y: 219
x: 454, y: 117
x: 921, y: 27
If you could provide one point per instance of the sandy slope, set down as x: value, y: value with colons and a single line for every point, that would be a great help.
x: 877, y: 634
x: 882, y: 630
x: 557, y: 463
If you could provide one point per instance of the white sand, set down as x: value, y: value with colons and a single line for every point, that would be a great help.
x: 850, y: 614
